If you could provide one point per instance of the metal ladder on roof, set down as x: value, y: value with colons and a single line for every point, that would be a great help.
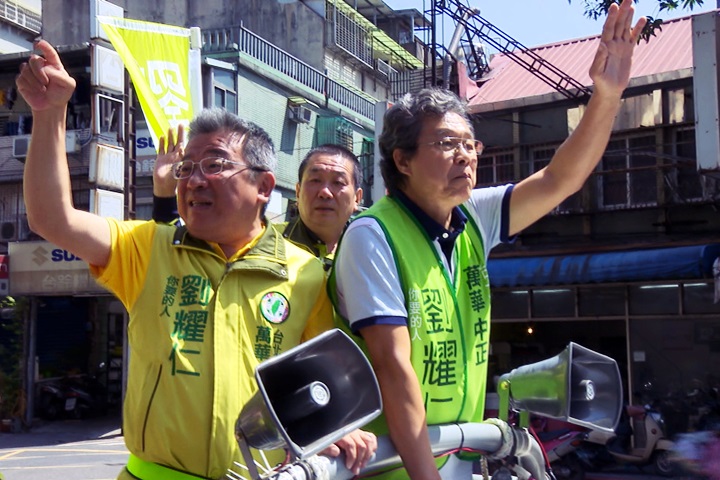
x: 476, y: 27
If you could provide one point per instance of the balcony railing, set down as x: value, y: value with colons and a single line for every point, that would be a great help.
x: 243, y: 40
x: 21, y: 16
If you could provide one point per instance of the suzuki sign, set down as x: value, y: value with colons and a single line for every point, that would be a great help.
x: 41, y: 268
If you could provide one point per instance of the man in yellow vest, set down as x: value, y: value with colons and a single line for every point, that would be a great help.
x: 419, y: 300
x: 208, y: 301
x: 328, y: 193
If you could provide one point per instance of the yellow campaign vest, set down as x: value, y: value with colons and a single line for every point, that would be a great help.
x: 449, y: 318
x: 197, y: 331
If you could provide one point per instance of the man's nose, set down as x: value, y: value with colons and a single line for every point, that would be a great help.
x: 197, y: 177
x: 462, y: 156
x: 325, y: 191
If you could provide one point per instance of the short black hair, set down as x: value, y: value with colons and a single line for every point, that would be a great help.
x: 333, y: 150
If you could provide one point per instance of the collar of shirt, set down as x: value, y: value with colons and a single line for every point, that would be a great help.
x: 244, y: 249
x: 298, y: 233
x: 434, y: 230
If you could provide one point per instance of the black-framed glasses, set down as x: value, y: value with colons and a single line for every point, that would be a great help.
x: 209, y: 166
x: 452, y: 144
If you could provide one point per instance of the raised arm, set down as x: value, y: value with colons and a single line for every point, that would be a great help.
x: 577, y: 157
x: 46, y: 87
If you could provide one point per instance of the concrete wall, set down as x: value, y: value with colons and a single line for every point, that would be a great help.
x: 293, y: 27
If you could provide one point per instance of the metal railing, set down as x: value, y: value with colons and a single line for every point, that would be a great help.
x: 240, y: 39
x: 21, y: 16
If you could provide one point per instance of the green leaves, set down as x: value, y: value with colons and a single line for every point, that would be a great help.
x: 595, y: 9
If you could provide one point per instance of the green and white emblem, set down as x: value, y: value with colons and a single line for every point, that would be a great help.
x: 274, y: 307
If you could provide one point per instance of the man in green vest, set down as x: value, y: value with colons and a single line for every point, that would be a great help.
x: 328, y: 192
x: 410, y: 278
x: 208, y: 301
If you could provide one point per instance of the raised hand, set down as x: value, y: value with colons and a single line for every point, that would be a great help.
x: 170, y: 150
x: 610, y: 70
x: 43, y: 81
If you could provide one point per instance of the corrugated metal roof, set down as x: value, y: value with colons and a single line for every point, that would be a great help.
x: 670, y: 50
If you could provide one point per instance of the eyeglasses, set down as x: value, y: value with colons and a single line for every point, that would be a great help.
x: 208, y: 166
x: 452, y: 144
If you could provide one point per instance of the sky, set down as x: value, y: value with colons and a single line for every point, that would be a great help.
x: 539, y: 22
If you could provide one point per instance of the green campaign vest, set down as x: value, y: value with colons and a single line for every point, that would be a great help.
x: 448, y: 318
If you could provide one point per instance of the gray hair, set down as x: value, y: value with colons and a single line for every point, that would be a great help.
x: 403, y: 123
x: 257, y: 147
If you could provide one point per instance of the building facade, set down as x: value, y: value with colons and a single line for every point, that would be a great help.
x: 308, y: 72
x: 625, y: 266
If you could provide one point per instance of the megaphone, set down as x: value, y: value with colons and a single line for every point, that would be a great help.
x: 578, y: 385
x: 310, y: 396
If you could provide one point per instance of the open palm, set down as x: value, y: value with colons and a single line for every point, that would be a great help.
x: 610, y: 70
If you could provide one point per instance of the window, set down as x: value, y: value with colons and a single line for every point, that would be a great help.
x: 334, y: 130
x: 496, y: 169
x: 109, y: 120
x: 541, y: 158
x: 225, y: 90
x: 698, y: 298
x: 553, y: 303
x: 654, y: 299
x: 510, y: 304
x: 629, y: 172
x: 601, y: 301
x: 351, y: 36
x: 685, y: 180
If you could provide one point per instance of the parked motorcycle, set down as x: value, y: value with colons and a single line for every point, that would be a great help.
x: 54, y: 402
x: 560, y: 440
x: 72, y: 396
x: 646, y: 443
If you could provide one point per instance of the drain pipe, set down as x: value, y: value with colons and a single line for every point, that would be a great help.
x: 454, y: 42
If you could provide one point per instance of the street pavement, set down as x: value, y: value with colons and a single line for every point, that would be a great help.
x: 91, y: 449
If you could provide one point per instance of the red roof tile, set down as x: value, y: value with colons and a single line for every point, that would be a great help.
x: 670, y: 50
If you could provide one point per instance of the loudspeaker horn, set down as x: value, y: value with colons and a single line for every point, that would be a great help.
x: 578, y: 385
x: 310, y: 396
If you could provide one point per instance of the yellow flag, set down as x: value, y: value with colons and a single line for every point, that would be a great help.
x: 156, y: 57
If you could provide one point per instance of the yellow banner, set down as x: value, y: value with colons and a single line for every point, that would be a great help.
x: 156, y: 57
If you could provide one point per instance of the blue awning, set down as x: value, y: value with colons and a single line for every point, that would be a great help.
x: 634, y: 265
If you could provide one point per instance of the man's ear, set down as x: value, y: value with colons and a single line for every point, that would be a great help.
x: 297, y: 191
x: 402, y: 161
x: 358, y: 197
x: 265, y: 185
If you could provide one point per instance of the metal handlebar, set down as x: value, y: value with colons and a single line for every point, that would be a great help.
x: 496, y: 440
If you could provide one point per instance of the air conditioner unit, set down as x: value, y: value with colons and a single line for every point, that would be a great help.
x: 20, y: 146
x: 8, y: 232
x: 300, y: 114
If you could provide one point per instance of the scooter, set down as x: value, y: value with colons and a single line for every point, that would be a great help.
x: 648, y: 445
x: 560, y: 440
x: 56, y: 401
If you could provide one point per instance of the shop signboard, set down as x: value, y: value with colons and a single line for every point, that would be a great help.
x: 41, y: 268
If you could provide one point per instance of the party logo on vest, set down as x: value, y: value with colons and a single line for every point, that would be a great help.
x: 274, y: 307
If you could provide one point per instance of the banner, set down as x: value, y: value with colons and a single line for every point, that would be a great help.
x: 156, y: 57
